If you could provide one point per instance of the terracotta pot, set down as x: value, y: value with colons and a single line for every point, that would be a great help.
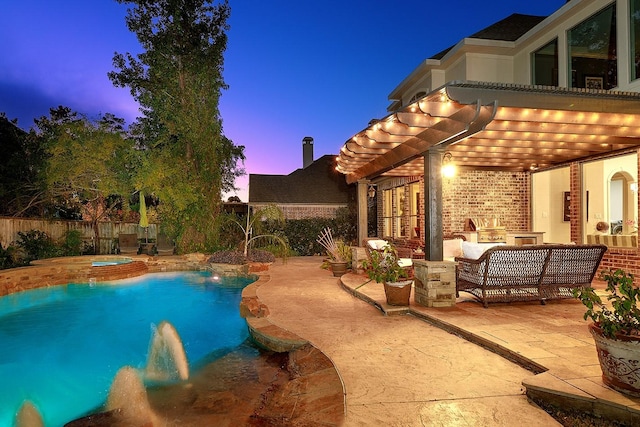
x: 619, y: 361
x: 398, y: 293
x: 338, y: 268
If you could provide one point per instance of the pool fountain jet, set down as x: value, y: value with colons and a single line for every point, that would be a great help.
x: 29, y: 416
x: 128, y: 400
x: 167, y: 359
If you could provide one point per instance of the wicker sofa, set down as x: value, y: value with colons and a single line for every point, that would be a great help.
x: 528, y: 273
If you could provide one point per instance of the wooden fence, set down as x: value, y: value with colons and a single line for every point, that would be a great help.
x: 109, y: 231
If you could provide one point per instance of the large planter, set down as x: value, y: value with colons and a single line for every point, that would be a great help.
x: 338, y: 268
x: 619, y: 361
x: 398, y: 293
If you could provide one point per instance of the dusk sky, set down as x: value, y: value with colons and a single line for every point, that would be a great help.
x: 295, y: 68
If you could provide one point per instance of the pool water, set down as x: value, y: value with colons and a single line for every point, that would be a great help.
x: 61, y: 347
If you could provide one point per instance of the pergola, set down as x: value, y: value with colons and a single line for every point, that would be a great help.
x: 488, y: 126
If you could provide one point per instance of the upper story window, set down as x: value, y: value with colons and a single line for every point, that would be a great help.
x: 417, y: 96
x: 593, y: 51
x: 544, y: 65
x: 635, y: 39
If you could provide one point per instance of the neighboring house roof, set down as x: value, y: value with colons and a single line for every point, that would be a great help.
x: 318, y: 183
x: 509, y: 29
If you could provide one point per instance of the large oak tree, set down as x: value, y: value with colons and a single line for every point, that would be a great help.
x: 177, y: 80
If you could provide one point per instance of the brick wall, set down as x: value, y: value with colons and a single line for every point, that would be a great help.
x: 486, y: 194
x: 626, y: 259
x: 473, y: 193
x: 292, y: 211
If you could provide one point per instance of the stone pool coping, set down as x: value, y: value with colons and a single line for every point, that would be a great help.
x: 324, y: 393
x: 63, y: 270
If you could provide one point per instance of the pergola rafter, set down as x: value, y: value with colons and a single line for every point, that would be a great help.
x: 501, y: 126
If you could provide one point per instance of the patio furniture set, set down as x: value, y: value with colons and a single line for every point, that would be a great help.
x: 129, y: 244
x: 502, y: 273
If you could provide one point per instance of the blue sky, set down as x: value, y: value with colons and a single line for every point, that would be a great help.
x: 295, y: 68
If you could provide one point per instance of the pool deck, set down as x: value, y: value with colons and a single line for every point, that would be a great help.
x: 420, y: 366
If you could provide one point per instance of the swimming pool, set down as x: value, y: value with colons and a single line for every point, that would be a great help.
x: 62, y: 346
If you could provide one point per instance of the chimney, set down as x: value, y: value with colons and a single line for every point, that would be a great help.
x: 307, y: 151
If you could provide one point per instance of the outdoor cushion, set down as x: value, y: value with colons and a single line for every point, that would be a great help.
x: 405, y: 262
x: 377, y: 244
x: 475, y: 250
x: 451, y: 248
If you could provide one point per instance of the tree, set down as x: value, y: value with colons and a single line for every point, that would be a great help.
x: 88, y: 164
x: 177, y: 80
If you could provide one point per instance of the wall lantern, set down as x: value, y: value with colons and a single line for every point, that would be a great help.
x: 372, y: 192
x: 448, y: 167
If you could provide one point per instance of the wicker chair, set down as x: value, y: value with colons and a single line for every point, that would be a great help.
x: 528, y: 273
x: 377, y: 244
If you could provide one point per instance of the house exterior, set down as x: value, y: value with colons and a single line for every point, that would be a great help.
x: 541, y: 116
x: 316, y: 190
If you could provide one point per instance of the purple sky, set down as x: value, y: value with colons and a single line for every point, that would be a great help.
x: 294, y: 68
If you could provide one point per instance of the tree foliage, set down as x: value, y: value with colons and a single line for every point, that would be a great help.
x: 177, y: 80
x: 88, y: 164
x: 21, y: 189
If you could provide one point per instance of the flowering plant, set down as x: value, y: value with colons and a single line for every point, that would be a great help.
x: 383, y: 266
x: 623, y: 318
x: 632, y: 223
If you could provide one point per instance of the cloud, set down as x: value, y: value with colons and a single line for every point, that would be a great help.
x: 25, y: 103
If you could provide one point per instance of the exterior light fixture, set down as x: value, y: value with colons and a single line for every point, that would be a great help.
x: 372, y: 192
x: 448, y: 167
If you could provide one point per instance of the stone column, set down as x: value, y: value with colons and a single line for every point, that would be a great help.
x: 435, y: 283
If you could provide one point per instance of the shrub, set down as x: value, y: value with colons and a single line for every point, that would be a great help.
x: 302, y: 233
x: 37, y: 244
x: 228, y: 257
x: 256, y: 255
x: 12, y: 257
x: 72, y: 244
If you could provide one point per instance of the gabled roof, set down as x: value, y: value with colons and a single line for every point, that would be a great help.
x: 509, y: 29
x: 318, y: 183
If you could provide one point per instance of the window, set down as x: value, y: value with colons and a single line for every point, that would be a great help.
x: 399, y: 218
x: 610, y: 199
x: 593, y: 51
x: 387, y: 213
x: 417, y: 96
x: 414, y: 210
x: 544, y: 65
x: 635, y: 39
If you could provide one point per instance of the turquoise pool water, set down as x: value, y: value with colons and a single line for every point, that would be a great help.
x: 60, y: 347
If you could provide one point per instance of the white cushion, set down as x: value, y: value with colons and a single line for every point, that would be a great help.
x: 377, y: 243
x: 475, y: 250
x: 452, y: 248
x: 382, y: 244
x: 405, y: 262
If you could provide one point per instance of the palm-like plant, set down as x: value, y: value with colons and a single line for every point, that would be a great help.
x: 252, y: 230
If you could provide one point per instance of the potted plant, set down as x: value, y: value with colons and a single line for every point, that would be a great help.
x: 616, y: 329
x: 382, y: 266
x: 338, y: 251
